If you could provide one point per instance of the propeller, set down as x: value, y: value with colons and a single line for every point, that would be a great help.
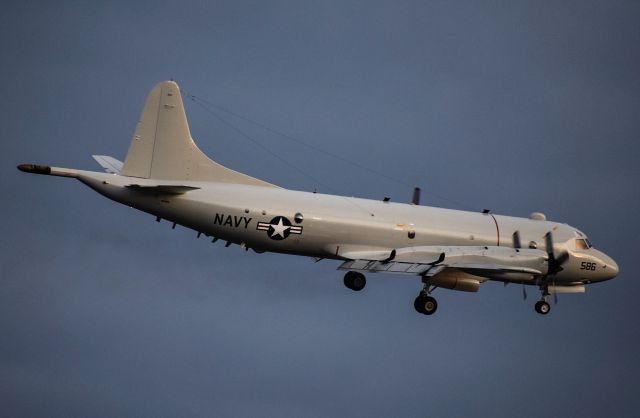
x: 555, y: 263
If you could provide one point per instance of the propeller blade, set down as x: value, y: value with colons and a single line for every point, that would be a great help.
x: 562, y: 258
x: 548, y: 239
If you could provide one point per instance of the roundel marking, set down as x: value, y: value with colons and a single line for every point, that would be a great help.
x: 279, y: 228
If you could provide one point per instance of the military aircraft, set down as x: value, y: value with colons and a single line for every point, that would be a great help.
x: 166, y: 174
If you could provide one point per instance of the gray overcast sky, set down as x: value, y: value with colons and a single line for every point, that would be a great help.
x: 515, y: 106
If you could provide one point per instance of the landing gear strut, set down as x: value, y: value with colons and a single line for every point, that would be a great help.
x: 425, y: 303
x: 354, y: 280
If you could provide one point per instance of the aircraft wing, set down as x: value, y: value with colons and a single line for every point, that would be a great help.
x: 498, y: 263
x: 110, y: 164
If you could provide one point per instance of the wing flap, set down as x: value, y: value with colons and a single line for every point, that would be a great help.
x: 391, y: 267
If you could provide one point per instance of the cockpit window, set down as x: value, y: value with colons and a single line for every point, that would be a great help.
x: 583, y: 244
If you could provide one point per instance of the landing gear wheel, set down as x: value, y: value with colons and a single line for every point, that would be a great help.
x: 542, y: 307
x: 355, y: 281
x: 425, y: 305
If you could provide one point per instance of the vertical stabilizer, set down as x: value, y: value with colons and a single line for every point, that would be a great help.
x: 162, y: 147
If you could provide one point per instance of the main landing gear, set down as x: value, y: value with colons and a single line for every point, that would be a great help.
x: 355, y: 281
x: 425, y: 303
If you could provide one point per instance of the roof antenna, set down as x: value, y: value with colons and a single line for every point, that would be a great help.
x: 415, y: 200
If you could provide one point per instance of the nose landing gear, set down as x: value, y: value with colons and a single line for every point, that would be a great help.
x: 542, y: 307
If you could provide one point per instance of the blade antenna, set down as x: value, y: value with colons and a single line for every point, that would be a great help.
x: 415, y: 200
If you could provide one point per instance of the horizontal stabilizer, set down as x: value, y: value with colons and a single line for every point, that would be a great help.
x: 162, y: 188
x: 110, y: 164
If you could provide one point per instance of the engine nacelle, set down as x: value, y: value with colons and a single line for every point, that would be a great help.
x: 456, y: 280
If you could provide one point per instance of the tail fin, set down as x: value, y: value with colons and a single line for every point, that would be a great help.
x: 162, y: 147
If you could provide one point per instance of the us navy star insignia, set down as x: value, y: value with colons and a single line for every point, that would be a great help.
x: 279, y: 228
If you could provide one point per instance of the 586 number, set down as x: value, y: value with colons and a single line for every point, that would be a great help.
x: 587, y: 266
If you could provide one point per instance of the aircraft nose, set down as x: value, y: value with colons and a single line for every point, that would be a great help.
x: 614, y: 268
x: 611, y: 269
